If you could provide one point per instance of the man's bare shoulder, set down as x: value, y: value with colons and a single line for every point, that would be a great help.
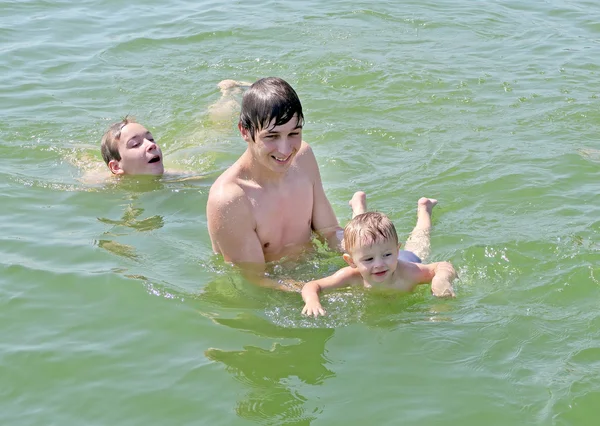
x: 305, y: 159
x: 305, y: 150
x: 227, y: 192
x: 229, y: 212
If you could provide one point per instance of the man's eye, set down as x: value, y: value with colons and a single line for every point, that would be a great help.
x: 368, y: 259
x: 387, y: 254
x: 294, y: 134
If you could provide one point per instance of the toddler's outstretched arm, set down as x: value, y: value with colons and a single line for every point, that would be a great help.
x: 310, y: 295
x: 310, y: 292
x: 441, y: 283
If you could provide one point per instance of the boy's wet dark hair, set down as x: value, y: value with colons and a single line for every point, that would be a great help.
x: 268, y: 99
x: 110, y: 141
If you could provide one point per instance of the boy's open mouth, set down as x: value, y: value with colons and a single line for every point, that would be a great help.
x: 155, y: 159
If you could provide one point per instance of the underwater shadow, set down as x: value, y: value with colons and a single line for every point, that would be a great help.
x: 276, y: 376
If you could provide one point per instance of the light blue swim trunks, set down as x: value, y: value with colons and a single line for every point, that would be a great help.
x: 408, y: 256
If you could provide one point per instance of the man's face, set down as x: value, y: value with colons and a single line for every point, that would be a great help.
x: 140, y: 155
x: 376, y: 262
x: 276, y: 146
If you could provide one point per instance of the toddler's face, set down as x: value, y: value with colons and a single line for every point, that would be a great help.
x: 377, y: 262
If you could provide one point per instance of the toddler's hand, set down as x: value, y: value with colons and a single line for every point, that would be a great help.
x: 313, y: 308
x: 442, y: 288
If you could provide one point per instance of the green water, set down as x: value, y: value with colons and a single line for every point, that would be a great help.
x: 113, y: 310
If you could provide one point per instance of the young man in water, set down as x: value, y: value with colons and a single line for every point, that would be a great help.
x: 267, y: 205
x: 375, y: 261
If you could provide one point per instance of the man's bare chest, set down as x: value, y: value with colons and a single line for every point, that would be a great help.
x: 283, y: 217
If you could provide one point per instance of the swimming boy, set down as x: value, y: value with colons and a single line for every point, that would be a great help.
x: 372, y: 253
x: 267, y: 205
x: 128, y: 148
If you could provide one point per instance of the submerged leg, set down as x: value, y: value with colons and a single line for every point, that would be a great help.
x: 419, y: 241
x: 227, y: 106
x: 358, y: 203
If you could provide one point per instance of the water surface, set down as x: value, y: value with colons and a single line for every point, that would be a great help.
x: 115, y: 311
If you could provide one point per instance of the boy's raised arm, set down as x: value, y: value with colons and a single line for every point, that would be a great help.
x: 310, y: 292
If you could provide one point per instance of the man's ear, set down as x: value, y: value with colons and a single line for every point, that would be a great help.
x: 349, y: 260
x: 115, y: 167
x: 245, y: 133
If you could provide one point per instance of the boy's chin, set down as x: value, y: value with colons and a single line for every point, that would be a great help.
x: 154, y: 171
x: 143, y: 175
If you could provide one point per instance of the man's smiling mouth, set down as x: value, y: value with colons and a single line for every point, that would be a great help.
x: 281, y: 160
x: 155, y: 159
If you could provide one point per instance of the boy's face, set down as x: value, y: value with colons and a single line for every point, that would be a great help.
x: 376, y: 263
x: 140, y: 155
x: 275, y: 146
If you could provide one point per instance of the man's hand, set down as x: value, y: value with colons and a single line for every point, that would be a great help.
x: 313, y: 308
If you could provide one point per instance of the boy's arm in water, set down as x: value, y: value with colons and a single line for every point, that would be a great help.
x: 310, y: 292
x: 324, y: 221
x: 439, y: 274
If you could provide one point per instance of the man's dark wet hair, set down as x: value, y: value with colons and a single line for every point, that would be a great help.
x: 269, y: 99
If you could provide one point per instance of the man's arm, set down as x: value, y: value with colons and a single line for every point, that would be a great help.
x: 439, y: 274
x: 231, y: 226
x: 324, y: 222
x: 310, y: 292
x: 232, y: 231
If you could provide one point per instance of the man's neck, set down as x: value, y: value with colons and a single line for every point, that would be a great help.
x: 257, y: 172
